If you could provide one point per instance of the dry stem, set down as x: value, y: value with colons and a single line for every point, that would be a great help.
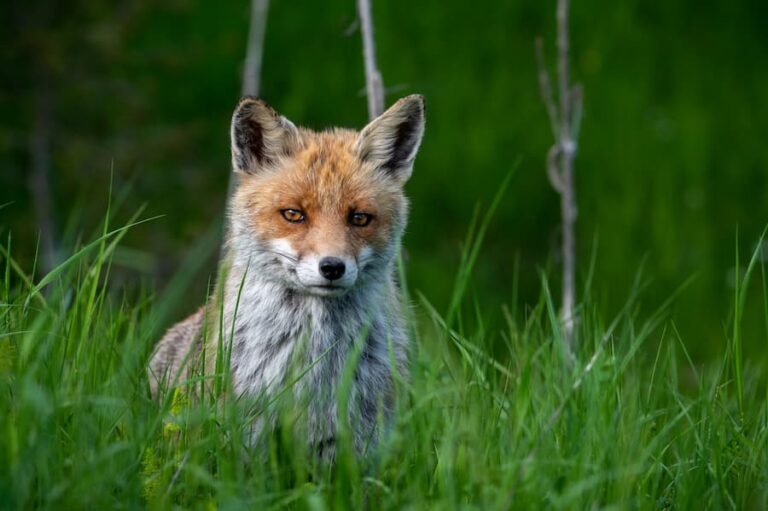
x: 374, y: 84
x: 564, y: 118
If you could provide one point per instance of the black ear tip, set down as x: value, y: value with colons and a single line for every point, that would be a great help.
x: 248, y: 100
x: 250, y: 103
x: 415, y: 103
x: 423, y: 103
x: 416, y: 98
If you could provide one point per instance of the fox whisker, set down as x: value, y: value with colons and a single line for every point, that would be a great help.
x: 281, y: 254
x: 264, y: 249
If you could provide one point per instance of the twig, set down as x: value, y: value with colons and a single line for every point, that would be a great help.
x: 563, y: 68
x: 373, y: 81
x: 545, y: 85
x: 255, y: 48
x: 552, y: 171
x: 352, y: 28
x: 565, y: 121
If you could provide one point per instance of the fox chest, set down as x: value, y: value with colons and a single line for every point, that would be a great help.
x: 278, y: 340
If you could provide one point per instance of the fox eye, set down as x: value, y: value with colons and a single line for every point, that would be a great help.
x: 294, y: 216
x: 360, y: 219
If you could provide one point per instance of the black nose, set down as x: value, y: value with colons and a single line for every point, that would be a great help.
x: 332, y: 268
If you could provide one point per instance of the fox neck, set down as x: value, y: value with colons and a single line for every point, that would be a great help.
x: 268, y: 320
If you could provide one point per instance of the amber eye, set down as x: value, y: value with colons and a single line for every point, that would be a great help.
x: 294, y: 216
x: 360, y: 219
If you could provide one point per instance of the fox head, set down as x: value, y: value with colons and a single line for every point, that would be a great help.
x: 321, y: 212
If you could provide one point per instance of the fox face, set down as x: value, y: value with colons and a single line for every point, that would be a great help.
x: 321, y: 212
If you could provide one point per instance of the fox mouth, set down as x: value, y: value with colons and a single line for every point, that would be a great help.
x: 327, y: 289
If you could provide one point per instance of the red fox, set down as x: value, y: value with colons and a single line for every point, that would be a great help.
x: 314, y: 229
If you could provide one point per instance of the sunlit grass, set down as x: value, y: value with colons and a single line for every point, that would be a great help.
x: 627, y: 421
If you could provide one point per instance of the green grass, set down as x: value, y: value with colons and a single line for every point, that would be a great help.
x: 626, y: 422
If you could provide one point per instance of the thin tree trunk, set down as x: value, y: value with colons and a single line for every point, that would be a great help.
x: 374, y: 84
x: 565, y: 120
x: 40, y: 175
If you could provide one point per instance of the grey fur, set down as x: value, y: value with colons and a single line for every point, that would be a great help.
x: 173, y: 349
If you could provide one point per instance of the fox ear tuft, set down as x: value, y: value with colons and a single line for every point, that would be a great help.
x: 392, y: 140
x: 260, y: 135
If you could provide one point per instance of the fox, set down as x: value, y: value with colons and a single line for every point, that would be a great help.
x: 314, y: 229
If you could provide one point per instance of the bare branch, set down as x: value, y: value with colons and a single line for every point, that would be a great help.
x: 563, y: 69
x: 255, y: 47
x: 545, y: 87
x: 352, y: 28
x: 373, y: 80
x: 552, y: 170
x: 565, y: 120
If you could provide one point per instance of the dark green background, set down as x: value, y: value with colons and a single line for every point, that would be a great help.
x: 672, y: 160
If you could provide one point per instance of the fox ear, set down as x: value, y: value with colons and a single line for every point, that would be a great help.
x: 392, y: 140
x: 260, y: 135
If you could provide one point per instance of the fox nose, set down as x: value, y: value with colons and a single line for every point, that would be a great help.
x: 332, y: 268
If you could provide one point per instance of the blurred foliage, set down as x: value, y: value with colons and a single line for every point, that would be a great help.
x: 672, y: 158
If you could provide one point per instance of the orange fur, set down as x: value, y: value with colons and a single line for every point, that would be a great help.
x: 326, y: 181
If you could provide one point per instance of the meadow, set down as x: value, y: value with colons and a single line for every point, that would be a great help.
x: 114, y: 167
x: 626, y: 421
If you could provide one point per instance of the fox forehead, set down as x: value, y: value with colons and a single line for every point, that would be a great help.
x: 326, y: 181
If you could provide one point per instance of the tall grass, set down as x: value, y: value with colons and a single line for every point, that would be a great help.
x: 627, y: 421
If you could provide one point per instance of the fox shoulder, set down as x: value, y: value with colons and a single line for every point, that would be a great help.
x: 173, y: 350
